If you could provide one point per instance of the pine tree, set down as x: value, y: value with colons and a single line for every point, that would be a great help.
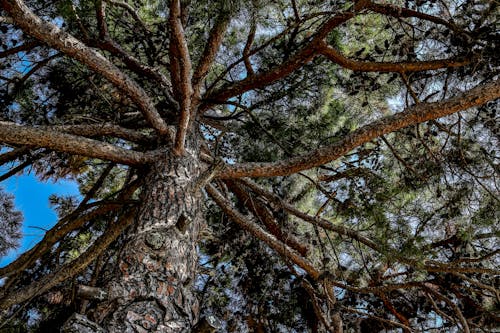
x: 10, y: 223
x: 254, y: 166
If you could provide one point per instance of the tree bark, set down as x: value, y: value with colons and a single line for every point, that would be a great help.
x: 152, y: 289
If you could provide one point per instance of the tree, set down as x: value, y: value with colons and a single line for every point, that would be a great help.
x: 10, y: 222
x: 178, y: 119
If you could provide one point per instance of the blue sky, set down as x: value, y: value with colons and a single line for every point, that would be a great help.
x: 31, y: 197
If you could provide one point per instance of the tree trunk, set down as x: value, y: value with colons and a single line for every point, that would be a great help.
x: 152, y: 289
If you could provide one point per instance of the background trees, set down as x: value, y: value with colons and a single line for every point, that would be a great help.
x: 10, y: 220
x: 350, y: 155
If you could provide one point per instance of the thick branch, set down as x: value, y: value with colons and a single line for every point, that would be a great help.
x: 401, y: 67
x: 264, y: 214
x: 104, y: 129
x: 11, y: 133
x: 261, y: 234
x: 302, y: 57
x: 66, y: 43
x: 411, y: 116
x: 181, y: 73
x: 207, y: 58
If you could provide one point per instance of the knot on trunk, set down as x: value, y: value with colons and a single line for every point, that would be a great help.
x: 182, y: 223
x: 155, y: 240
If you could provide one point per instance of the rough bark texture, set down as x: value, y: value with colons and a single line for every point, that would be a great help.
x: 152, y: 290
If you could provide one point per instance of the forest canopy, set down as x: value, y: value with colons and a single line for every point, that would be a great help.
x: 253, y: 166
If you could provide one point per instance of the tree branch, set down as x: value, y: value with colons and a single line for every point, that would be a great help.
x: 452, y: 305
x: 108, y: 44
x: 65, y: 225
x: 246, y: 49
x: 265, y: 78
x: 69, y: 269
x: 104, y: 129
x: 207, y: 58
x: 66, y: 43
x: 6, y: 20
x: 400, y: 67
x: 302, y: 57
x: 12, y: 133
x: 13, y: 155
x: 18, y: 168
x: 368, y: 315
x: 89, y: 195
x: 70, y: 222
x: 39, y: 65
x: 101, y: 18
x: 257, y: 231
x: 24, y: 47
x: 428, y: 265
x: 395, y: 11
x: 411, y: 116
x: 180, y: 67
x: 325, y: 224
x: 259, y: 210
x: 131, y: 10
